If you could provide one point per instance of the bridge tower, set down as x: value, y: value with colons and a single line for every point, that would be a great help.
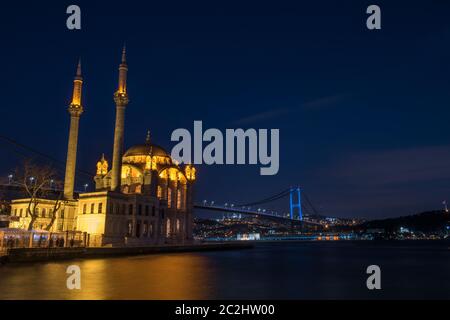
x: 297, y: 204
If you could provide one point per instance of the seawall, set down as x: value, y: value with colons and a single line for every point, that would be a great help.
x: 18, y: 255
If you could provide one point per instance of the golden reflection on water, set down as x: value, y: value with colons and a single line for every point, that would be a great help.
x: 176, y: 276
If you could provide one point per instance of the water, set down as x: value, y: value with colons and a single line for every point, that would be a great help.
x: 319, y: 270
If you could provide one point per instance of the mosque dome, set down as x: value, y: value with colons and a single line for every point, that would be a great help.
x: 147, y: 155
x: 145, y: 150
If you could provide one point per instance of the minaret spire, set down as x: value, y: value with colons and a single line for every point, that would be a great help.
x: 121, y: 100
x: 79, y: 68
x: 123, y: 69
x: 75, y: 110
x: 124, y: 54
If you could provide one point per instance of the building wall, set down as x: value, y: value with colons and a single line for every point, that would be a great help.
x: 65, y: 215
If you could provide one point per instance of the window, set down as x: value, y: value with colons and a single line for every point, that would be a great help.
x: 169, y: 198
x: 178, y: 225
x: 140, y: 210
x: 145, y: 231
x: 15, y: 212
x: 92, y: 207
x: 84, y: 208
x: 100, y: 207
x: 42, y: 215
x: 130, y: 209
x: 138, y: 228
x: 153, y: 211
x: 168, y: 228
x: 179, y: 199
x: 124, y: 209
x: 129, y: 228
x: 152, y: 229
x: 162, y: 213
x: 62, y: 214
x: 147, y: 210
x: 159, y: 192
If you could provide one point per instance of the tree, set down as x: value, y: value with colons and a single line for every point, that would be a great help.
x: 39, y: 182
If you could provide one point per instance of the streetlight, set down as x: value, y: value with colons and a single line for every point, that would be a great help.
x: 10, y: 178
x: 85, y: 187
x: 51, y: 183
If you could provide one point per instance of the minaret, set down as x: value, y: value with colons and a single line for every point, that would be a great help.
x: 75, y: 109
x: 121, y: 100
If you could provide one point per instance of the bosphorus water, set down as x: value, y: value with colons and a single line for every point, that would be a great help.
x: 284, y: 270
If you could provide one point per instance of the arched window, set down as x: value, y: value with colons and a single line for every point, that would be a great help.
x: 159, y: 192
x: 179, y: 199
x: 169, y: 198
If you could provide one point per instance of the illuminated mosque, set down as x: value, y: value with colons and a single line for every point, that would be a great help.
x: 145, y: 198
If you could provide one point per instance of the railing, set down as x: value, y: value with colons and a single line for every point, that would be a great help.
x: 37, y: 239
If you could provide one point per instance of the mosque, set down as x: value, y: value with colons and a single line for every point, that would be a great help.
x: 145, y: 198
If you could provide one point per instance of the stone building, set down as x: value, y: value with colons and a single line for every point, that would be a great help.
x: 145, y: 198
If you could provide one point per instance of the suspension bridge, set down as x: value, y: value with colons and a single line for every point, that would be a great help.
x: 297, y: 207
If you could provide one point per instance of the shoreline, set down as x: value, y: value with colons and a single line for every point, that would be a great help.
x: 27, y: 255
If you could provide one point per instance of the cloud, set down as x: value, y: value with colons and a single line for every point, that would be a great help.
x: 325, y: 101
x: 384, y: 183
x: 258, y: 117
x: 274, y: 113
x: 394, y: 167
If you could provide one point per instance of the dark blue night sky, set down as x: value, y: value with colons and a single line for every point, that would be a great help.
x: 363, y: 115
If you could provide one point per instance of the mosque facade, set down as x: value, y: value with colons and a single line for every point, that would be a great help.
x: 145, y: 198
